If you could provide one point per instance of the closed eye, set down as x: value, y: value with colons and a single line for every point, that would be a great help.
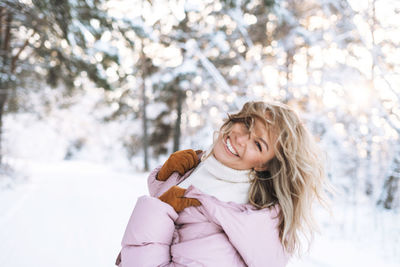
x: 258, y: 146
x: 265, y: 144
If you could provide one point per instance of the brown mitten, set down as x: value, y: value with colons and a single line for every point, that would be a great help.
x: 179, y: 161
x: 174, y: 197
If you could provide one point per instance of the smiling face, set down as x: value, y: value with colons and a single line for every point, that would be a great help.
x: 242, y: 150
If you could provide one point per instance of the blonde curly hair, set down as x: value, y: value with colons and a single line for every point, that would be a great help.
x: 294, y: 177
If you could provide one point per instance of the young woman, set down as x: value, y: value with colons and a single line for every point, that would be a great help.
x: 246, y: 203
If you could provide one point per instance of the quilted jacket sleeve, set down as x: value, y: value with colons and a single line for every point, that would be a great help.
x: 254, y: 233
x: 157, y: 188
x: 152, y: 183
x: 255, y: 236
x: 148, y: 235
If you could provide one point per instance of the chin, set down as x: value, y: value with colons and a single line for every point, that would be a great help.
x: 219, y: 152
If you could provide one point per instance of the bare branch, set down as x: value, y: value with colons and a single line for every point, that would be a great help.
x: 7, y: 36
x: 15, y: 58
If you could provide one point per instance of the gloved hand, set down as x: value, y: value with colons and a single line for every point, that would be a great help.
x: 175, y: 197
x: 179, y: 161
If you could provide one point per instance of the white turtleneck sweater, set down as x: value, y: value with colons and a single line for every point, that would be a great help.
x: 214, y: 178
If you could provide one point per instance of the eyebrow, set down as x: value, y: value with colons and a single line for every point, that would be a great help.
x: 263, y: 141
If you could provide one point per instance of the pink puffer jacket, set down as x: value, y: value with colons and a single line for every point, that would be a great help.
x: 214, y: 234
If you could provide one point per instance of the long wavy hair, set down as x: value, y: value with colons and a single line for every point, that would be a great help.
x: 294, y: 178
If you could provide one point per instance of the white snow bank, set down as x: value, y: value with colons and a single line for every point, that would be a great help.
x: 74, y: 213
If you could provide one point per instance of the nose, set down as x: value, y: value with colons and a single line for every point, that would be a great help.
x: 242, y: 138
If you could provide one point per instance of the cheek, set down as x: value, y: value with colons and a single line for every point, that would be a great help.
x: 219, y: 146
x: 251, y: 159
x: 256, y: 160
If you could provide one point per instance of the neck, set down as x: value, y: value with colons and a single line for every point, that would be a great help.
x: 224, y: 172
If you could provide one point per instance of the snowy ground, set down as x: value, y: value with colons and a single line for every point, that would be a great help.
x: 73, y: 213
x: 67, y: 214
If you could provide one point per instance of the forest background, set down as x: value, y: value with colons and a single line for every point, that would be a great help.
x: 125, y: 83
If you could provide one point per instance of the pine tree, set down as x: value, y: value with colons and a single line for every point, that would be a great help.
x: 56, y: 38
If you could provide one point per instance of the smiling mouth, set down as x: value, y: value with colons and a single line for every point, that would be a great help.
x: 230, y: 147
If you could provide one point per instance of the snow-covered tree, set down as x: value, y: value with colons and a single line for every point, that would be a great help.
x: 61, y: 40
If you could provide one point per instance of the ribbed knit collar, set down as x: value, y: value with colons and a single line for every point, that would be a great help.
x: 222, y: 172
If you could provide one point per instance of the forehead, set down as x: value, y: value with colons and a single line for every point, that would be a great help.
x: 263, y: 130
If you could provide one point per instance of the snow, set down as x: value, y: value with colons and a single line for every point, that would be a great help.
x: 208, y: 65
x: 69, y: 213
x: 70, y: 177
x: 105, y: 47
x: 74, y: 213
x: 77, y: 132
x: 57, y: 212
x: 219, y: 39
x: 354, y: 236
x: 196, y: 5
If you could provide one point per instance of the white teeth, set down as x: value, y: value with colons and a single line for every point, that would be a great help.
x: 229, y: 146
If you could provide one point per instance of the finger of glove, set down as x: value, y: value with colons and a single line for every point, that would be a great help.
x: 171, y: 165
x: 181, y: 166
x: 179, y: 154
x: 193, y: 158
x: 186, y: 162
x: 186, y: 202
x: 167, y: 196
x: 186, y: 159
x: 192, y: 202
x: 164, y: 172
x: 168, y: 168
x: 177, y: 191
x: 193, y: 155
x: 186, y: 150
x: 174, y: 192
x: 173, y: 197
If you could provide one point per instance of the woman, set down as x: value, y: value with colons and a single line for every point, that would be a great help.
x: 245, y: 204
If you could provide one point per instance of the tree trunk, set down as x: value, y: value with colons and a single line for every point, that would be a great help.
x: 177, y: 131
x: 3, y: 99
x: 144, y: 121
x: 391, y: 187
x: 5, y: 71
x: 389, y: 197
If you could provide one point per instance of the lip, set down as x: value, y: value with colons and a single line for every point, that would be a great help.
x: 227, y: 149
